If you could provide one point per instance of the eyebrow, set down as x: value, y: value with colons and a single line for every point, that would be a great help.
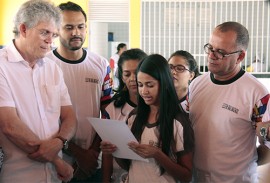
x: 73, y: 25
x: 152, y: 81
x: 217, y: 48
x: 129, y: 70
x: 177, y: 65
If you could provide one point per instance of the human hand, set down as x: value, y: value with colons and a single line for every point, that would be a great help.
x: 63, y: 169
x: 107, y: 147
x: 144, y: 150
x: 47, y: 151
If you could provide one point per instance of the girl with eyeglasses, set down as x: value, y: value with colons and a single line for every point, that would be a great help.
x: 184, y: 69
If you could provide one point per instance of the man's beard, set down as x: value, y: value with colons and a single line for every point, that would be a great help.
x: 75, y: 47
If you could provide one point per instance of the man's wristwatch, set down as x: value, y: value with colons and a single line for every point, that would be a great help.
x: 264, y: 132
x: 65, y: 142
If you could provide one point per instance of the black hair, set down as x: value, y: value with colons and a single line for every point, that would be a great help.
x: 190, y: 60
x: 122, y: 95
x: 70, y: 6
x: 242, y: 35
x: 120, y: 45
x: 157, y: 66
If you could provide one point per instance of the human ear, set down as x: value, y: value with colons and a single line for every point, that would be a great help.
x: 241, y: 56
x: 192, y: 75
x: 22, y: 30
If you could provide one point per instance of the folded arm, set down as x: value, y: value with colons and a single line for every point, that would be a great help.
x: 49, y: 149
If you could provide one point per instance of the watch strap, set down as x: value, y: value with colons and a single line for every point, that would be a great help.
x: 65, y: 142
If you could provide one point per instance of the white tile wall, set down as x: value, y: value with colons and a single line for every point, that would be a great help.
x: 120, y: 31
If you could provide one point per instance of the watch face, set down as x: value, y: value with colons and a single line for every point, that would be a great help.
x: 65, y: 142
x: 65, y: 146
x: 263, y: 132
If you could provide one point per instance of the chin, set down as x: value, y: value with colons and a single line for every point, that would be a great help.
x: 42, y: 54
x: 75, y: 48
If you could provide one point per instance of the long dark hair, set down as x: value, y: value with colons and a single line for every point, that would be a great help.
x: 122, y: 95
x: 157, y: 66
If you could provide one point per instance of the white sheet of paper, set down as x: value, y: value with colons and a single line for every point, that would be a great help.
x: 118, y: 133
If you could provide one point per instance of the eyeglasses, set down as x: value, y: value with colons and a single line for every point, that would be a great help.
x: 178, y: 68
x: 217, y: 53
x: 45, y: 34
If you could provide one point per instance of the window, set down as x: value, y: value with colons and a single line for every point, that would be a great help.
x: 168, y: 26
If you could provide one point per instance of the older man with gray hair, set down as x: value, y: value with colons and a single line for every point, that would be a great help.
x: 36, y: 116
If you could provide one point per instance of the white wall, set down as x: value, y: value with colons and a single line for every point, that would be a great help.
x: 98, y: 38
x: 266, y: 82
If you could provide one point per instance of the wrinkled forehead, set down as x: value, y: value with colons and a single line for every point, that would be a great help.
x: 49, y: 25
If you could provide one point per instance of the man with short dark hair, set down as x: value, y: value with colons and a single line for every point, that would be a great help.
x: 233, y: 102
x: 86, y: 75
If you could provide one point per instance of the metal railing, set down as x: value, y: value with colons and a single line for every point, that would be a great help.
x: 170, y: 25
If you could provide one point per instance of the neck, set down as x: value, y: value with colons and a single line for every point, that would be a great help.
x: 154, y: 109
x: 133, y: 98
x: 227, y: 76
x: 27, y: 57
x: 153, y: 115
x: 182, y: 93
x: 70, y: 54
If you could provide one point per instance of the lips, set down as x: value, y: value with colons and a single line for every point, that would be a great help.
x: 133, y: 86
x: 45, y: 47
x: 75, y: 39
x: 146, y: 99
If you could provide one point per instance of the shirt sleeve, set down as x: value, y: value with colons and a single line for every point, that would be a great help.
x: 6, y: 99
x: 178, y: 136
x: 266, y: 116
x: 260, y: 108
x: 106, y: 88
x: 111, y: 63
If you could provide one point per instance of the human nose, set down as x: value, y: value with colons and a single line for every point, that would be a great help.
x: 75, y: 31
x: 173, y: 70
x: 49, y: 39
x: 50, y: 36
x: 212, y: 55
x: 144, y: 90
x: 132, y: 77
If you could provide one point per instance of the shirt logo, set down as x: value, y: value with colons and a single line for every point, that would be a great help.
x: 230, y: 108
x: 91, y: 80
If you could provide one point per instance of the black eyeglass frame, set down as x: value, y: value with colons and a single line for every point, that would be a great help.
x: 208, y: 47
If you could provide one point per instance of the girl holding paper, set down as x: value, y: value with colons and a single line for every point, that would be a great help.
x: 124, y: 101
x: 162, y: 129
